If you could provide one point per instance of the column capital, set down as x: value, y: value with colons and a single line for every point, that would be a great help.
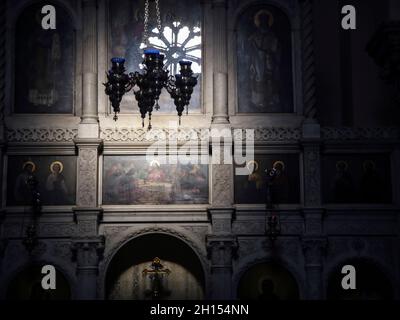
x: 221, y: 250
x: 87, y: 220
x: 313, y: 248
x: 87, y: 251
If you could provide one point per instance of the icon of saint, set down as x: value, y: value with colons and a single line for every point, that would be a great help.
x: 55, y: 184
x: 22, y: 193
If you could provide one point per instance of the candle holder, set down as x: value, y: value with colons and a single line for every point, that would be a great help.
x: 150, y: 84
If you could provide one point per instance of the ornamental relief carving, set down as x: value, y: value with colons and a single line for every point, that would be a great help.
x: 222, y: 184
x: 56, y: 229
x: 345, y: 134
x: 249, y: 227
x: 312, y: 176
x: 41, y: 134
x: 187, y: 134
x: 87, y: 174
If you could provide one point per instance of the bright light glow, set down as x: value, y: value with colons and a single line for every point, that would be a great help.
x: 178, y: 42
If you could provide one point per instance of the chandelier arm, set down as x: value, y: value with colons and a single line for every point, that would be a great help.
x: 158, y: 16
x: 145, y: 38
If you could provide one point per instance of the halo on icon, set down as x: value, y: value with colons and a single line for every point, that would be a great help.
x: 58, y: 163
x: 340, y: 163
x: 279, y: 162
x: 252, y: 166
x: 369, y: 163
x: 263, y: 12
x: 31, y: 163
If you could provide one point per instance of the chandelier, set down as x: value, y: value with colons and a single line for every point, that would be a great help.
x: 147, y: 85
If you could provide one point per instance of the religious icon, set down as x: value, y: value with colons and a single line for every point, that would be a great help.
x: 56, y: 187
x: 133, y: 180
x: 343, y: 186
x: 157, y: 276
x: 264, y: 61
x: 280, y: 185
x: 254, y: 186
x: 22, y: 191
x: 265, y: 54
x: 371, y: 183
x: 44, y: 63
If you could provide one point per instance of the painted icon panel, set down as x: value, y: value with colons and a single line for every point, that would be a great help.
x: 134, y: 180
x: 264, y: 61
x: 56, y: 176
x: 44, y: 63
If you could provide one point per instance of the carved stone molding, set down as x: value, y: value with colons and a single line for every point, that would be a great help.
x: 157, y: 134
x: 125, y: 234
x: 222, y: 185
x: 87, y: 177
x: 41, y: 134
x: 87, y: 220
x: 269, y: 134
x: 187, y: 134
x: 348, y: 134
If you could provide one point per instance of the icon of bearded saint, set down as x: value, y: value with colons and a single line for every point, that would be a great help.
x: 265, y: 57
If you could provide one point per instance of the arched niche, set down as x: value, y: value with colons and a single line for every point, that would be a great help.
x: 371, y: 282
x: 126, y: 279
x: 264, y: 60
x: 44, y: 61
x: 26, y: 285
x: 267, y: 281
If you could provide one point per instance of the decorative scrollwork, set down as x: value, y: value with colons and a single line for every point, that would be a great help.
x: 41, y: 134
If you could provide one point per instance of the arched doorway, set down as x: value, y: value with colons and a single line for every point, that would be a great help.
x: 133, y: 272
x: 268, y: 281
x: 26, y: 285
x: 371, y: 282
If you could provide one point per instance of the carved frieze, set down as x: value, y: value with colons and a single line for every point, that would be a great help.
x: 41, y: 134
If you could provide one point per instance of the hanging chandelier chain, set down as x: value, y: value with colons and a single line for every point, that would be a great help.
x: 146, y: 23
x: 158, y: 15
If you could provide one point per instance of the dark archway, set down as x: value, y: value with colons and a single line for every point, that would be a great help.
x: 26, y: 285
x: 268, y: 281
x: 371, y: 282
x: 125, y: 278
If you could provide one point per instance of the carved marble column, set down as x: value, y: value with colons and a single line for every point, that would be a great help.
x: 220, y: 63
x: 222, y: 185
x: 87, y: 212
x: 221, y: 251
x: 222, y: 247
x: 309, y: 79
x: 312, y: 173
x: 89, y: 127
x: 313, y: 249
x: 87, y: 252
